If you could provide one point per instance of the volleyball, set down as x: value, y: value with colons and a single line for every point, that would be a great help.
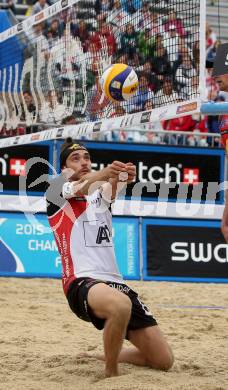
x: 119, y: 82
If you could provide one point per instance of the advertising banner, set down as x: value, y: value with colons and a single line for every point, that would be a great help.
x: 28, y: 247
x: 187, y: 250
x: 166, y: 172
x: 21, y: 166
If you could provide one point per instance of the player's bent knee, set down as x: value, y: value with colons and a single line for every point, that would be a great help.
x: 164, y: 364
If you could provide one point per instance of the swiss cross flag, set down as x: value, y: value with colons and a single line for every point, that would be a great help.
x: 191, y: 176
x: 17, y: 167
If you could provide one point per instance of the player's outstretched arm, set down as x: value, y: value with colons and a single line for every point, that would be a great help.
x: 90, y: 182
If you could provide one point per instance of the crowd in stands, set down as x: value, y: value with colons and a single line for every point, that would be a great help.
x: 155, y: 41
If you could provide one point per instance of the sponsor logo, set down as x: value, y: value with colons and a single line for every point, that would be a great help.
x: 59, y: 132
x: 35, y: 137
x: 19, y: 26
x: 3, y: 166
x: 145, y: 117
x: 162, y: 114
x: 10, y: 32
x: 103, y: 234
x: 64, y: 3
x: 47, y: 134
x: 166, y: 174
x: 16, y: 140
x: 17, y: 167
x: 199, y: 252
x: 97, y: 234
x: 97, y: 126
x: 28, y: 22
x: 191, y: 176
x: 116, y: 84
x: 122, y: 288
x: 52, y: 10
x: 39, y: 16
x: 122, y: 122
x: 186, y: 108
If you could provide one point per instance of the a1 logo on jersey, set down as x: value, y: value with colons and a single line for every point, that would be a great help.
x: 17, y: 167
x: 103, y: 234
x: 97, y: 234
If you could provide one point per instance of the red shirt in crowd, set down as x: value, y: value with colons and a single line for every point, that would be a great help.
x: 185, y: 123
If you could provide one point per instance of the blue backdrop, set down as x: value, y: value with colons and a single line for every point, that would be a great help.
x: 28, y: 248
x: 11, y: 53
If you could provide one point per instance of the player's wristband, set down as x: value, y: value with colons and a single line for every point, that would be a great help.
x: 68, y: 190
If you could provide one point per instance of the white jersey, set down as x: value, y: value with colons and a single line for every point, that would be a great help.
x: 83, y: 232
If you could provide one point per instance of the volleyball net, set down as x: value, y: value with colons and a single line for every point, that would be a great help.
x: 52, y: 61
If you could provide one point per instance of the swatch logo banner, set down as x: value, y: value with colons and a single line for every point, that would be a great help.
x: 185, y: 249
x: 14, y: 167
x: 166, y: 172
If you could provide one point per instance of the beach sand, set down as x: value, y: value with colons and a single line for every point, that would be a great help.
x: 40, y: 339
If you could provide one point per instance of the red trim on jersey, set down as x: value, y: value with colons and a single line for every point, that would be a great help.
x: 62, y: 223
x: 223, y: 127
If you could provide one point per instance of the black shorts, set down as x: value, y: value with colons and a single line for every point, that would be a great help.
x: 77, y: 299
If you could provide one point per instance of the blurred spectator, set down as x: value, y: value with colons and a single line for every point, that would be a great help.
x: 142, y: 17
x: 193, y: 92
x: 213, y: 124
x: 117, y: 16
x: 7, y: 4
x: 39, y: 38
x: 211, y: 38
x: 155, y: 24
x: 185, y: 123
x: 104, y: 37
x: 51, y: 110
x: 103, y: 6
x: 160, y: 63
x: 28, y: 112
x: 200, y: 127
x: 131, y: 6
x: 81, y: 31
x: 69, y: 120
x: 146, y: 45
x: 98, y: 102
x: 184, y: 74
x: 144, y: 93
x: 174, y: 21
x: 166, y: 95
x: 39, y: 6
x: 53, y: 33
x: 212, y: 52
x: 171, y: 43
x: 147, y: 70
x: 128, y: 41
x: 211, y: 85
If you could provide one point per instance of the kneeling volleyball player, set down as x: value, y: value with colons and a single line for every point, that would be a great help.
x: 82, y: 224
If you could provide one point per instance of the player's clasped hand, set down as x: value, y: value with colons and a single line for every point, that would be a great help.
x: 121, y: 171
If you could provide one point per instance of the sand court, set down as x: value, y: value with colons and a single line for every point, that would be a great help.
x: 40, y: 338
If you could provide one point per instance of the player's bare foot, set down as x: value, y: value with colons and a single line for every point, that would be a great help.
x: 111, y: 372
x: 86, y: 354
